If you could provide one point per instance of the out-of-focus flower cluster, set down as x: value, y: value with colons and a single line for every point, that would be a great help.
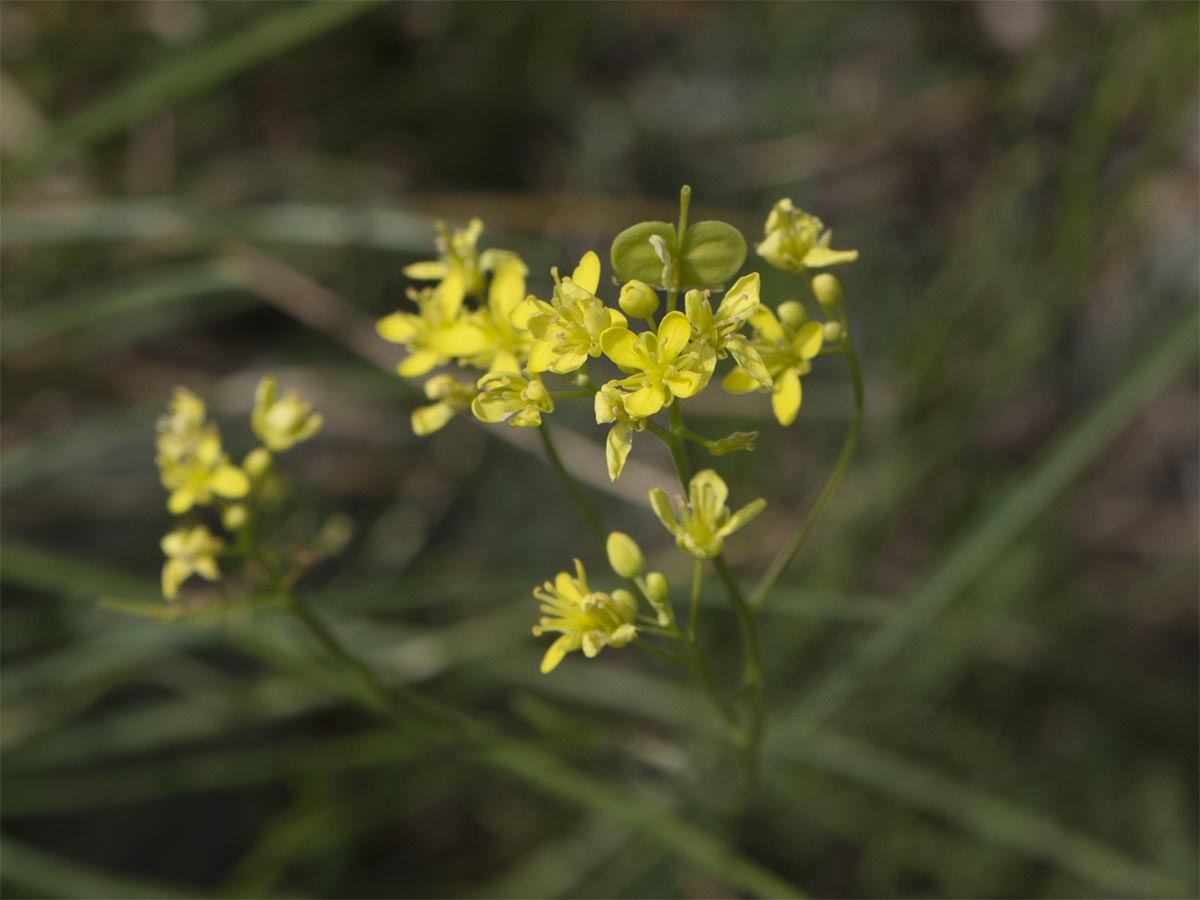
x: 198, y: 474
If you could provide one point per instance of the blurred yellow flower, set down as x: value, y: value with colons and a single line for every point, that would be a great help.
x: 282, y: 422
x: 451, y: 396
x: 438, y: 332
x: 189, y: 551
x: 191, y: 463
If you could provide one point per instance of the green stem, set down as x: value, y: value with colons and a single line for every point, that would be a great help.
x: 663, y: 654
x: 694, y: 608
x: 572, y: 487
x: 392, y: 701
x: 752, y: 673
x: 789, y: 550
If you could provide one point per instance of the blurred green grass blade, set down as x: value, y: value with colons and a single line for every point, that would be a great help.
x: 56, y: 573
x: 167, y: 221
x: 59, y: 451
x: 541, y: 769
x: 990, y: 818
x: 51, y: 319
x: 40, y: 794
x: 979, y: 546
x: 55, y: 876
x: 188, y: 73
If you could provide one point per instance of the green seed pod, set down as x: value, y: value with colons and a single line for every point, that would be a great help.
x: 658, y: 592
x: 624, y: 555
x: 828, y: 291
x: 638, y: 300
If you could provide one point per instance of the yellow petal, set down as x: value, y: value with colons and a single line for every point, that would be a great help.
x: 426, y: 271
x: 507, y: 290
x: 742, y: 517
x: 748, y: 359
x: 568, y: 361
x: 587, y: 273
x: 646, y: 401
x: 541, y: 356
x: 617, y: 447
x: 449, y: 294
x: 823, y: 256
x: 180, y: 501
x: 767, y: 325
x: 399, y: 328
x: 785, y: 399
x: 741, y: 300
x: 418, y: 363
x: 459, y: 339
x: 739, y: 381
x: 173, y: 574
x: 687, y: 383
x: 229, y: 481
x: 674, y: 331
x: 428, y: 419
x: 623, y: 347
x: 809, y: 338
x: 556, y: 653
x: 206, y: 567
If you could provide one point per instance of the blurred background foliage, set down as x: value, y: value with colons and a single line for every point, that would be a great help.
x: 982, y: 672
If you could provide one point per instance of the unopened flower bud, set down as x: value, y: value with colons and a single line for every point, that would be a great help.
x: 638, y: 299
x: 833, y: 332
x: 624, y: 555
x: 828, y: 291
x: 658, y: 592
x: 792, y: 314
x: 257, y: 462
x: 234, y: 517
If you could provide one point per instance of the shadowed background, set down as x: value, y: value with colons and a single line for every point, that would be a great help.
x: 982, y: 672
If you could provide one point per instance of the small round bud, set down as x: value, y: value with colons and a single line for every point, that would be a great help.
x: 625, y: 603
x: 257, y: 462
x: 638, y: 299
x: 792, y: 314
x: 828, y: 291
x: 624, y: 555
x: 235, y: 517
x: 658, y: 592
x: 833, y: 332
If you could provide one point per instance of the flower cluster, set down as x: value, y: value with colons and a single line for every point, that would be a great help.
x: 197, y: 473
x: 477, y: 315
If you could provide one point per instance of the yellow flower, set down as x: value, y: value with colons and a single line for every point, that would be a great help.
x: 438, y: 332
x: 786, y: 345
x: 586, y: 619
x: 663, y: 365
x: 568, y: 328
x: 189, y: 551
x: 506, y: 345
x: 507, y: 396
x: 458, y: 253
x: 720, y: 329
x: 190, y: 460
x: 703, y: 520
x: 796, y: 241
x: 282, y: 422
x: 452, y: 396
x: 610, y: 407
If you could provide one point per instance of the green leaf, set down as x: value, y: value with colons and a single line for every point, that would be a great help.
x: 712, y: 254
x: 635, y: 257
